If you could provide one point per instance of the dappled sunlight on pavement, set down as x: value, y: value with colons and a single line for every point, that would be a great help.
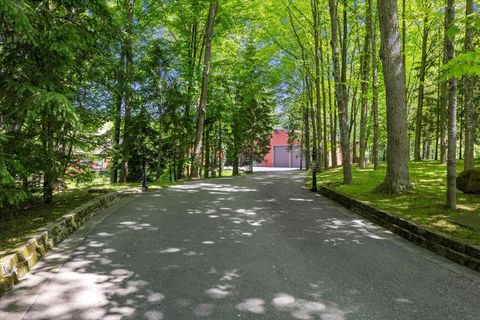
x: 254, y: 247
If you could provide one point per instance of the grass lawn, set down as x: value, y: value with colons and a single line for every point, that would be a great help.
x: 29, y: 217
x: 424, y: 204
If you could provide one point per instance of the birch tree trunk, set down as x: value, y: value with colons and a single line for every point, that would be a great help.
x: 397, y: 178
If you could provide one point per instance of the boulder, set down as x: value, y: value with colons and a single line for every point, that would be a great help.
x: 469, y: 181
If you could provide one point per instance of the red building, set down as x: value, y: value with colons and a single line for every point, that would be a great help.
x: 282, y: 154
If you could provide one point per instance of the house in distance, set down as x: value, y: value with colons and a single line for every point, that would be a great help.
x: 281, y: 154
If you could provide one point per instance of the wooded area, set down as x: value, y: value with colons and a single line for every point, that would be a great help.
x: 175, y: 89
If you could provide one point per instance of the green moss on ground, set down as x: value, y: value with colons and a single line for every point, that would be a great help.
x: 423, y: 204
x: 29, y: 217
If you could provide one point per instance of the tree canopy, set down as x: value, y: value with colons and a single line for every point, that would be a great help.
x: 176, y: 89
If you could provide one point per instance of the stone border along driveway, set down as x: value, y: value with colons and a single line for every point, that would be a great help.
x: 17, y: 264
x: 461, y: 253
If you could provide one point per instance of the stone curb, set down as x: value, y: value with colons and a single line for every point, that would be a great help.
x: 18, y: 263
x: 461, y: 253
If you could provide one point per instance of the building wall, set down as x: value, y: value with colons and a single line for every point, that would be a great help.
x: 279, y: 138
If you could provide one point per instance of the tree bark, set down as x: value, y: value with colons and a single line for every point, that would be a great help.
x: 312, y: 114
x: 126, y: 144
x: 397, y: 178
x: 340, y: 93
x: 306, y: 134
x: 376, y: 133
x: 206, y: 172
x: 470, y: 117
x: 316, y: 36
x: 437, y: 127
x: 421, y: 91
x: 220, y: 150
x: 201, y: 111
x: 353, y: 125
x: 324, y: 108
x: 404, y: 45
x: 452, y: 111
x: 193, y: 44
x: 119, y: 93
x: 365, y: 69
x: 443, y: 104
x: 49, y: 161
x: 333, y: 125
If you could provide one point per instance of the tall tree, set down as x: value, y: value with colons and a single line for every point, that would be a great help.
x: 452, y: 108
x: 201, y: 111
x: 375, y: 124
x: 340, y: 92
x: 421, y: 89
x: 397, y: 178
x: 128, y: 47
x: 468, y: 85
x: 316, y: 37
x: 365, y: 70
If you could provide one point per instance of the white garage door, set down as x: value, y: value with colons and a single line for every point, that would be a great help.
x: 281, y: 157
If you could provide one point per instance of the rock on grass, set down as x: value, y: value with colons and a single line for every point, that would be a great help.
x: 469, y: 181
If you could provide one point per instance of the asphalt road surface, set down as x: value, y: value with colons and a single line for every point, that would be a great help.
x: 257, y: 247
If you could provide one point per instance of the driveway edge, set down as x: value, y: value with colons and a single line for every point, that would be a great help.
x: 23, y: 258
x: 464, y: 254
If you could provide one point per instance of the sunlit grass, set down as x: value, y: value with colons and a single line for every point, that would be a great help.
x: 423, y: 204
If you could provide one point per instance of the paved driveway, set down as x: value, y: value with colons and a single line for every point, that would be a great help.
x: 257, y: 247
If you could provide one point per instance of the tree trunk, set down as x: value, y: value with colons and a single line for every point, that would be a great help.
x: 203, y: 96
x: 193, y: 57
x: 460, y: 135
x: 220, y: 149
x: 452, y: 110
x: 443, y: 112
x: 159, y: 143
x: 118, y: 118
x: 49, y: 161
x: 404, y: 45
x: 421, y: 91
x: 306, y: 134
x: 235, y: 171
x: 316, y: 36
x: 470, y: 116
x: 340, y: 93
x: 333, y: 124
x: 353, y: 125
x: 397, y: 178
x: 437, y: 129
x: 365, y: 69
x: 207, y: 153
x: 324, y: 109
x: 376, y: 133
x: 312, y: 114
x: 126, y: 144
